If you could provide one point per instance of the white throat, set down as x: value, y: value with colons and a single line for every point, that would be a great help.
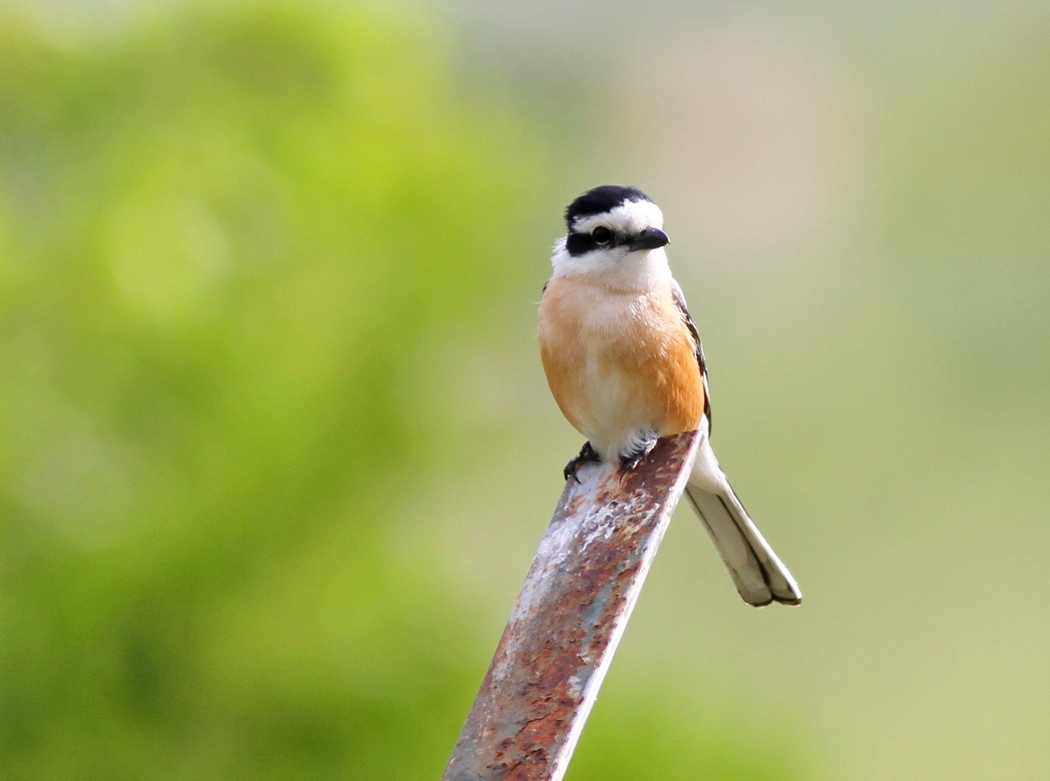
x: 617, y: 268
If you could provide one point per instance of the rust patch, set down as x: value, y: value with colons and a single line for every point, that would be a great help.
x: 568, y: 619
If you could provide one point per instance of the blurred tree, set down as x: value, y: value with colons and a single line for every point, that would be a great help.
x: 225, y: 241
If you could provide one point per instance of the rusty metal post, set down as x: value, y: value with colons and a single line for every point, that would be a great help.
x: 570, y: 615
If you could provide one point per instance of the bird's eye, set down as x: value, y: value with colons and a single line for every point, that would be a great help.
x: 602, y: 235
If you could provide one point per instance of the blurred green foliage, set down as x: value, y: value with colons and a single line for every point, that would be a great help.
x: 226, y: 241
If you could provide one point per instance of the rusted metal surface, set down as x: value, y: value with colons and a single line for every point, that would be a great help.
x: 569, y: 617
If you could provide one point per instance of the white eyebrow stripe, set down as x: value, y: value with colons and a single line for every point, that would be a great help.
x: 627, y: 218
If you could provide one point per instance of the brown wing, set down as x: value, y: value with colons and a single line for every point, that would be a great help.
x: 679, y: 300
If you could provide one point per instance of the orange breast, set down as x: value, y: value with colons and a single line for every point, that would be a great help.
x: 618, y: 363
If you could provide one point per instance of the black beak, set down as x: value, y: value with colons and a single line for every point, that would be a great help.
x: 650, y: 238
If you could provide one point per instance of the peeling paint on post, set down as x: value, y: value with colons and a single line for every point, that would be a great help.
x: 569, y: 617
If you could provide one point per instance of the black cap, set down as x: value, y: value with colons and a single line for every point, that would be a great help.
x: 602, y: 199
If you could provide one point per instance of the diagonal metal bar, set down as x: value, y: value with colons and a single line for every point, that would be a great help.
x: 569, y: 618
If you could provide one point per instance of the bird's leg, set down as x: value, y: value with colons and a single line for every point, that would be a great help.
x: 643, y: 446
x: 587, y: 455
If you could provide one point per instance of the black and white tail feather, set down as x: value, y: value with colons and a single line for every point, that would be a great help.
x: 760, y: 576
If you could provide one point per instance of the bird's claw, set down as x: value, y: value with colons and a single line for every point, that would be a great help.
x: 629, y: 461
x: 629, y: 464
x: 586, y: 455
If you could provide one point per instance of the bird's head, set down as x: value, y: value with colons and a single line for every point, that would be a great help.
x: 613, y: 231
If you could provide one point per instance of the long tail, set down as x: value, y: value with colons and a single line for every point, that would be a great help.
x: 759, y: 575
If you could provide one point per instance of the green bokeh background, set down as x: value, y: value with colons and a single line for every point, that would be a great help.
x: 275, y: 446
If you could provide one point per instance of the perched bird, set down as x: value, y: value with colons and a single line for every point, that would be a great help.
x: 624, y: 362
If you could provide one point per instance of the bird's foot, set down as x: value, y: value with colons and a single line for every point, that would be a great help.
x: 587, y: 455
x: 630, y: 460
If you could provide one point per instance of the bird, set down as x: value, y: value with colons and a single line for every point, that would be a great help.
x: 624, y: 363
